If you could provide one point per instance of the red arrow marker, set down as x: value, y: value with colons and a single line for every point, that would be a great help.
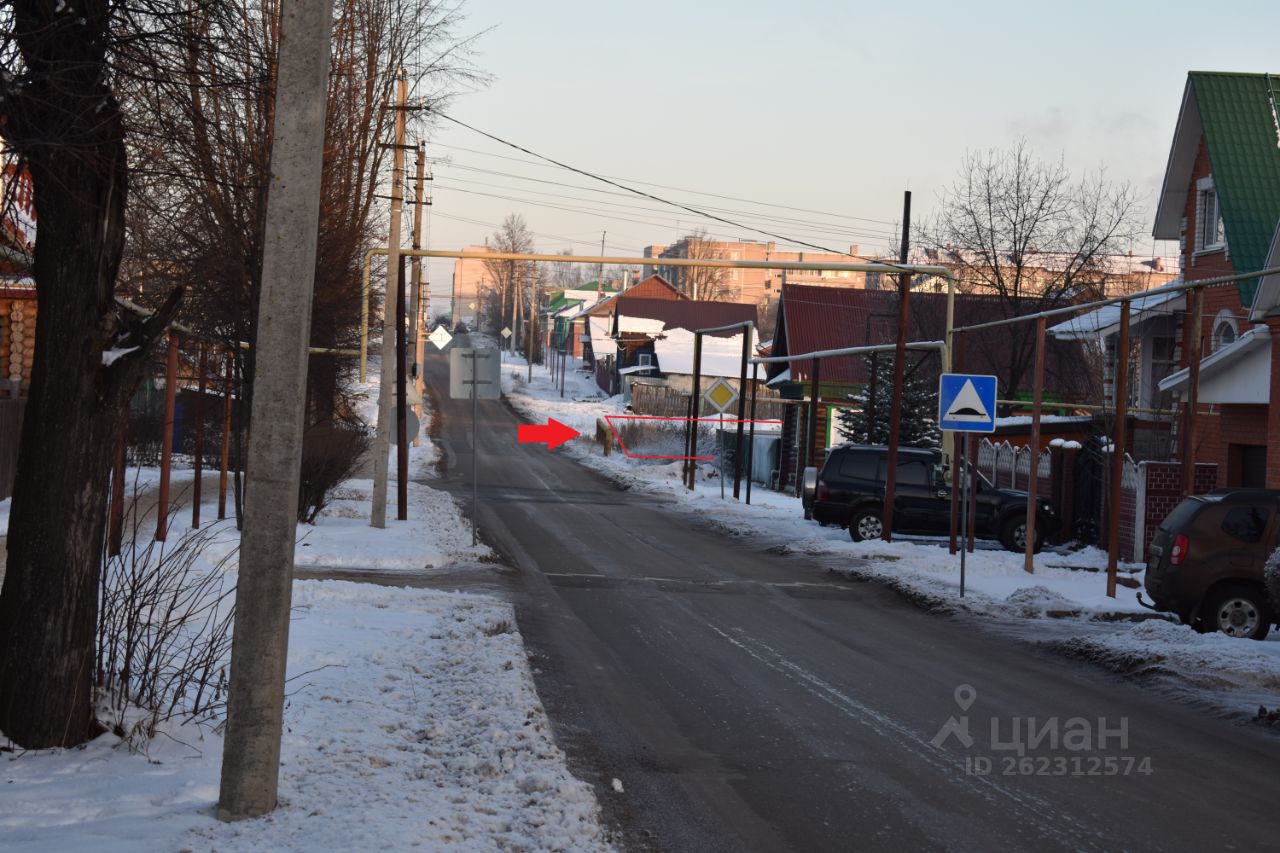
x: 553, y: 433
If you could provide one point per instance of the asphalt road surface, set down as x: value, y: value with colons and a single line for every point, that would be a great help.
x: 748, y: 700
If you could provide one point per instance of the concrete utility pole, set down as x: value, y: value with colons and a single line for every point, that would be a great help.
x: 382, y: 439
x: 255, y: 702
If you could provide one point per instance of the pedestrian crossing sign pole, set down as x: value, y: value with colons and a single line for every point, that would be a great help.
x: 966, y: 403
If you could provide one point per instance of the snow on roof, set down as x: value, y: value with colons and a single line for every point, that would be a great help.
x: 602, y: 342
x: 720, y: 356
x: 1102, y: 321
x: 640, y: 325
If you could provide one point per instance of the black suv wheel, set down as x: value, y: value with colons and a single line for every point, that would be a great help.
x: 1013, y: 534
x: 1237, y: 610
x: 866, y: 524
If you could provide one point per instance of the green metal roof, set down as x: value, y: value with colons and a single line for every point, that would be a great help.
x: 1240, y: 115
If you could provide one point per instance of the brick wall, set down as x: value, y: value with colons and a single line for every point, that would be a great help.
x: 1163, y: 491
x: 1237, y: 425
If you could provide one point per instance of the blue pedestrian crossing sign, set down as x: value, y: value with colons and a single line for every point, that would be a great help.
x: 967, y: 403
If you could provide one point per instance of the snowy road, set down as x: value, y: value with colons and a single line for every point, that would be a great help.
x: 746, y: 700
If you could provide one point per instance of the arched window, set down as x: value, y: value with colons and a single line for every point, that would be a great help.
x: 1225, y: 329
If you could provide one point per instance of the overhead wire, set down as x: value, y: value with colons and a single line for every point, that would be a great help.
x: 683, y: 189
x: 652, y: 197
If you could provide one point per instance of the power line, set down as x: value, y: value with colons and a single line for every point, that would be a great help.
x: 831, y: 228
x: 605, y: 211
x: 678, y: 189
x: 648, y: 195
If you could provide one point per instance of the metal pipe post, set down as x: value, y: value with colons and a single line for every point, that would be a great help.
x: 751, y: 439
x: 1033, y: 464
x: 695, y: 409
x: 971, y: 525
x: 742, y: 406
x: 166, y: 441
x: 115, y: 529
x: 812, y: 444
x: 203, y: 384
x: 1193, y: 394
x: 1121, y: 386
x: 956, y: 449
x: 226, y: 437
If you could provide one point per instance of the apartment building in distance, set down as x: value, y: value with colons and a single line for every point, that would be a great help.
x: 751, y: 286
x: 470, y: 276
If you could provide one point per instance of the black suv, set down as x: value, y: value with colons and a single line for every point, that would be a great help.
x: 1205, y: 562
x: 849, y: 491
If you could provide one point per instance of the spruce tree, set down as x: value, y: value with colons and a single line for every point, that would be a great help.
x: 919, y: 405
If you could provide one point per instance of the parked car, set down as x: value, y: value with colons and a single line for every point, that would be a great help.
x: 1205, y: 562
x: 849, y: 491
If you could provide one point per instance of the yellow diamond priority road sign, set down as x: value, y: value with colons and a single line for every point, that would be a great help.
x: 721, y: 396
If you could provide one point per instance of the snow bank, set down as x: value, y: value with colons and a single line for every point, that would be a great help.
x: 411, y: 721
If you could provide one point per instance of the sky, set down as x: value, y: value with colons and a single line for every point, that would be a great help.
x: 812, y: 116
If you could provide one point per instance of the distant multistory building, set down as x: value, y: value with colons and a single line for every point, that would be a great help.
x: 470, y: 277
x: 753, y: 286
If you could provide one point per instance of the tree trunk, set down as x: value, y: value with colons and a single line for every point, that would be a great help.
x: 67, y: 125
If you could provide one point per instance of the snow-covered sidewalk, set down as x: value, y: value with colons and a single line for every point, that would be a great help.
x: 412, y: 719
x: 1063, y: 602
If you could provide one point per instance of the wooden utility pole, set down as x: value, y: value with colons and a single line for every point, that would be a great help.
x: 255, y: 701
x: 382, y: 439
x: 421, y: 303
x: 899, y: 375
x: 402, y: 408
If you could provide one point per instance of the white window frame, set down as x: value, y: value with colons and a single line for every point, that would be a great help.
x: 645, y: 359
x: 1225, y: 320
x: 1206, y: 225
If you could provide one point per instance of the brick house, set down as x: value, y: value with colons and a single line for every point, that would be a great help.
x: 1221, y: 200
x: 812, y: 319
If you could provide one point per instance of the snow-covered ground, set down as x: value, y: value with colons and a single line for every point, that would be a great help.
x: 411, y: 719
x: 1063, y: 601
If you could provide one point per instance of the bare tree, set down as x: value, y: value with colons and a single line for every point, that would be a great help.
x: 562, y: 275
x: 1027, y: 232
x: 710, y: 284
x: 507, y: 278
x: 193, y: 82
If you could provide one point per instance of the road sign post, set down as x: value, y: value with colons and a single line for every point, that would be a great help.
x: 966, y: 404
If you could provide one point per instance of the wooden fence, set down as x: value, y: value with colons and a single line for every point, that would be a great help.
x: 667, y: 402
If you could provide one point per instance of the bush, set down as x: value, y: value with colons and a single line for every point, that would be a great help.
x: 331, y: 452
x: 164, y: 630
